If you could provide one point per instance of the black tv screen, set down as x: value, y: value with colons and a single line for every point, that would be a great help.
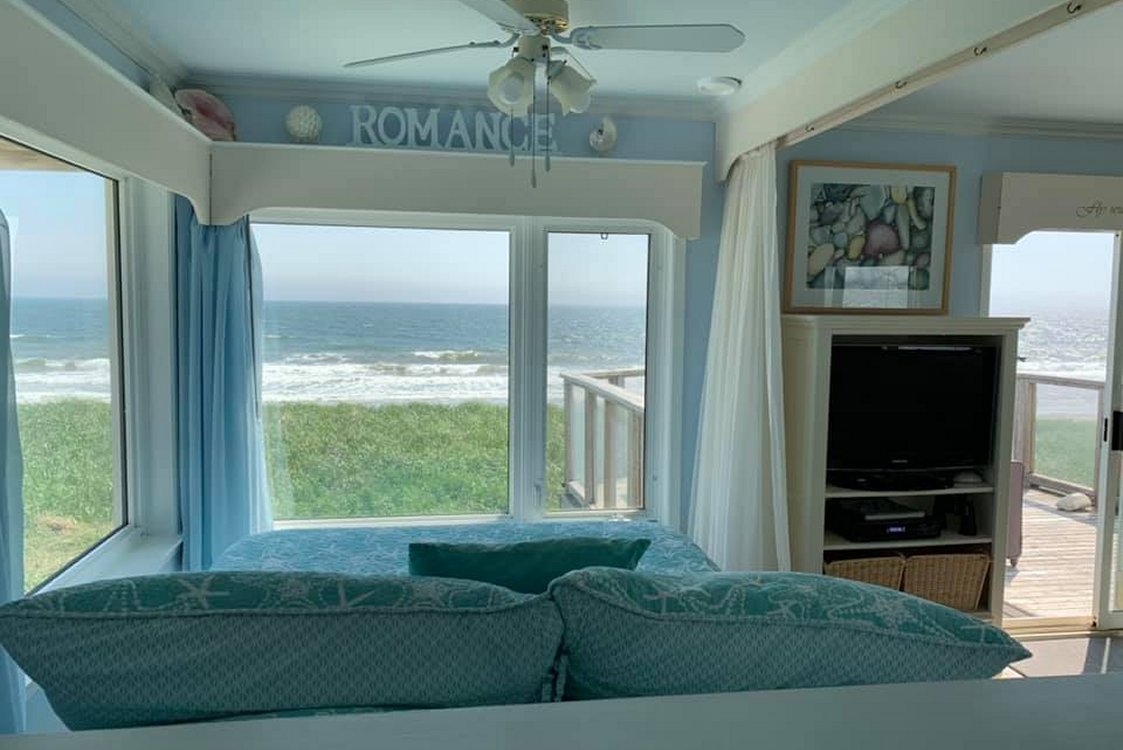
x: 900, y: 407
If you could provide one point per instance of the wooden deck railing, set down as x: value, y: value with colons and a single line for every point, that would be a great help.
x: 603, y: 440
x: 1025, y: 429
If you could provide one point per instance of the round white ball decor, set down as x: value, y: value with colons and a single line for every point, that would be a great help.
x: 304, y: 124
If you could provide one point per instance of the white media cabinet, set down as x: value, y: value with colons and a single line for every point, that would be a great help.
x: 807, y: 342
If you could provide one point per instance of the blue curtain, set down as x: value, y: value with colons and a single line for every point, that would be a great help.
x: 222, y: 486
x: 11, y: 492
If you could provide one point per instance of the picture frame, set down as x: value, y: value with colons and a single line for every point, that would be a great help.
x: 869, y: 238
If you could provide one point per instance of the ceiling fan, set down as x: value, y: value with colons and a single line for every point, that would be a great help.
x: 541, y: 36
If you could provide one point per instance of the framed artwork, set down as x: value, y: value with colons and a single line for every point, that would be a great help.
x: 869, y: 238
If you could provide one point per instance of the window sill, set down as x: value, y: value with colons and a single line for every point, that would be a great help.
x: 343, y: 523
x: 129, y: 552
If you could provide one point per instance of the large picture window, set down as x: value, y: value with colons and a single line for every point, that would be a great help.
x: 385, y: 374
x: 501, y: 369
x: 63, y: 229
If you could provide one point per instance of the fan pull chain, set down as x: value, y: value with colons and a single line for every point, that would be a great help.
x: 548, y: 139
x: 511, y: 137
x: 531, y: 126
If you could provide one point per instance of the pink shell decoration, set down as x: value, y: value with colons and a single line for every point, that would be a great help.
x: 209, y: 115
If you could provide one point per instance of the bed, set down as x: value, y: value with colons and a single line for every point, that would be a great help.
x: 385, y: 550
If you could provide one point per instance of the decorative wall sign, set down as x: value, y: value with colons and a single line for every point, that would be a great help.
x: 456, y: 129
x: 869, y: 237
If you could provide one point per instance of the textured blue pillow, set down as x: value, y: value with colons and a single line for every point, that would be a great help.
x: 187, y: 647
x: 631, y: 634
x: 527, y: 567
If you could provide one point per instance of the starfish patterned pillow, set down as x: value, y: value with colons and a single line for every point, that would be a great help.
x: 201, y: 646
x: 631, y: 633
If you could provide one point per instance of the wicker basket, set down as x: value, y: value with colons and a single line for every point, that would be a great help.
x: 883, y: 571
x: 954, y: 580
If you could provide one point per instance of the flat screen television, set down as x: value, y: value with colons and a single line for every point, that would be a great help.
x: 910, y: 408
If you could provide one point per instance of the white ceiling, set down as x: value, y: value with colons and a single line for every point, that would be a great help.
x: 1069, y: 74
x: 309, y: 40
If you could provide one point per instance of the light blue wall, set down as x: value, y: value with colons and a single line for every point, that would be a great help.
x: 972, y: 156
x: 261, y: 119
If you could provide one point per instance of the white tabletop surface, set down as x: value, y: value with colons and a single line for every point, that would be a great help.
x: 1072, y: 712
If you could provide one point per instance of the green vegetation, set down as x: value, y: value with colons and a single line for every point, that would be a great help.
x: 1066, y: 449
x: 335, y: 461
x: 67, y: 482
x: 349, y: 460
x: 341, y: 461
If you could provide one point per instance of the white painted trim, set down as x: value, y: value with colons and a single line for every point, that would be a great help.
x: 527, y: 388
x: 129, y: 552
x: 311, y: 91
x: 833, y: 31
x: 1111, y: 463
x: 148, y: 296
x: 250, y: 177
x: 129, y: 37
x: 64, y: 99
x: 527, y: 374
x: 986, y: 263
x: 868, y: 72
x: 1013, y: 204
x: 1035, y: 714
x: 976, y: 125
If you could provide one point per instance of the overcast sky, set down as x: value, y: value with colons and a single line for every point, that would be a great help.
x: 1052, y: 270
x: 59, y: 250
x: 59, y: 241
x: 413, y: 265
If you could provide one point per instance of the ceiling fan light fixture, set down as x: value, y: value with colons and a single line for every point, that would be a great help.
x: 511, y: 86
x: 719, y: 85
x: 571, y: 89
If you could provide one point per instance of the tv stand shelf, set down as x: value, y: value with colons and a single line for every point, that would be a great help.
x: 833, y: 542
x: 959, y: 489
x: 808, y: 343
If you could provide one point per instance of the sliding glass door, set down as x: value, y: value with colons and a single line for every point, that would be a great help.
x: 1109, y: 564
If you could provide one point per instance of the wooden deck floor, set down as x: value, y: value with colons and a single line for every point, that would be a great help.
x: 1055, y: 574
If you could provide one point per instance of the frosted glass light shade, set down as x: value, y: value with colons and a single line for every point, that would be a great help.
x: 511, y: 87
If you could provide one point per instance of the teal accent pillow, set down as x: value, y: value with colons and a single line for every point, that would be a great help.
x: 196, y: 646
x: 527, y: 567
x: 634, y: 634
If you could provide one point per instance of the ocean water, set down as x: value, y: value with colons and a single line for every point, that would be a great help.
x: 333, y: 352
x: 1072, y: 344
x: 392, y: 353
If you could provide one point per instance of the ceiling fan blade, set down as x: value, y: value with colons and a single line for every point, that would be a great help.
x: 427, y: 52
x: 689, y: 38
x: 503, y: 14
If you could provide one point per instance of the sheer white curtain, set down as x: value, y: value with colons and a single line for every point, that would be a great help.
x: 738, y: 512
x: 11, y: 493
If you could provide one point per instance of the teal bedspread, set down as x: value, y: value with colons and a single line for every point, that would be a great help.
x: 384, y: 550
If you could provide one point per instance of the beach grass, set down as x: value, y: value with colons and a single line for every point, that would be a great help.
x: 67, y: 482
x: 354, y: 461
x: 341, y: 461
x: 1066, y: 449
x: 325, y: 461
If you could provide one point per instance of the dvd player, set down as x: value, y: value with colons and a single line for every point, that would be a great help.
x: 880, y: 519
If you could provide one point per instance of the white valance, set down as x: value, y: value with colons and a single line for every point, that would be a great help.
x: 1013, y: 204
x: 250, y: 177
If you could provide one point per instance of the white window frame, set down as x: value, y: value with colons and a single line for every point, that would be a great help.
x: 138, y: 225
x: 527, y: 388
x: 143, y: 362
